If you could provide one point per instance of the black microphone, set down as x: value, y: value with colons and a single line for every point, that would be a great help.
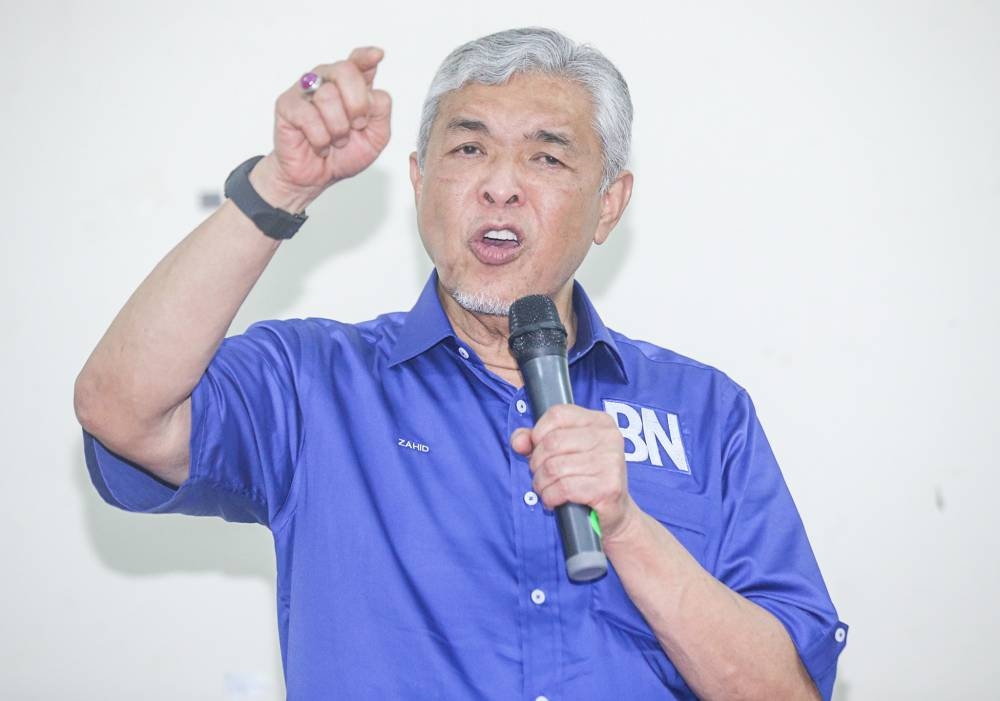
x: 538, y: 343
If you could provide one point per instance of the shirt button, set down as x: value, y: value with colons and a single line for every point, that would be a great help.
x: 840, y: 635
x: 541, y: 698
x: 538, y: 596
x: 530, y: 498
x: 521, y: 406
x: 462, y: 352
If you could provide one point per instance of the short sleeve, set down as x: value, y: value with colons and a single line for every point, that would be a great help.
x: 246, y: 430
x: 765, y: 555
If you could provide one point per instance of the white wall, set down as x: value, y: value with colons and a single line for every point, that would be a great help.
x: 816, y: 213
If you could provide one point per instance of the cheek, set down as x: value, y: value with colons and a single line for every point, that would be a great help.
x: 565, y: 213
x: 443, y: 204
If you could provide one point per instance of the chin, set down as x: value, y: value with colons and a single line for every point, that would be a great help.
x: 481, y: 302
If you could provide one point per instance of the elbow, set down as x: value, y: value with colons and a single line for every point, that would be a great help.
x: 102, y: 410
x: 86, y: 401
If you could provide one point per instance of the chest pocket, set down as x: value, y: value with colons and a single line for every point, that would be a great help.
x: 682, y: 513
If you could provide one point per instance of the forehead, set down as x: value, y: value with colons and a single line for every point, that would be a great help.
x: 528, y: 101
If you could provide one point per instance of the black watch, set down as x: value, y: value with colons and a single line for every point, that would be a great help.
x: 274, y: 222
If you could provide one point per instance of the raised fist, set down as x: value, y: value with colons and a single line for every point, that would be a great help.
x: 326, y: 135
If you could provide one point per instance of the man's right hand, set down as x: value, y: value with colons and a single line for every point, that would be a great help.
x: 332, y: 134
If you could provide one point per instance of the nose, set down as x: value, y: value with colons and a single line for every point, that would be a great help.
x: 502, y: 185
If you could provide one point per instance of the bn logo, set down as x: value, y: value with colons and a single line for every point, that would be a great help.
x: 644, y: 430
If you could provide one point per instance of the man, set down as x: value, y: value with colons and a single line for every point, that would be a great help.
x: 396, y: 461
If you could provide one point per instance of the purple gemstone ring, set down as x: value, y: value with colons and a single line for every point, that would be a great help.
x: 310, y: 82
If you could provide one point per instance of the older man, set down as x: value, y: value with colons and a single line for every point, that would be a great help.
x: 396, y: 461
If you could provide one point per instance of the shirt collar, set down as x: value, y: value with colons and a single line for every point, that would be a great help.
x: 592, y: 334
x: 427, y: 325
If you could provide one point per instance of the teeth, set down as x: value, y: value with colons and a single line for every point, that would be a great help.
x: 501, y: 235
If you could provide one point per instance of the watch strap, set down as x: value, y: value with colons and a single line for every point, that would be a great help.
x: 273, y: 222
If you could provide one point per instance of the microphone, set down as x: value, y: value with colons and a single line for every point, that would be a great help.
x: 538, y: 343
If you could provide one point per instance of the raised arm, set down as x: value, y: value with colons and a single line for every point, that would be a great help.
x: 134, y: 391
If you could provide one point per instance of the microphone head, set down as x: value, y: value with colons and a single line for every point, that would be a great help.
x: 535, y: 329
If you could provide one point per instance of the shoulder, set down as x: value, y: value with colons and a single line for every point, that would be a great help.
x: 649, y: 362
x: 300, y: 337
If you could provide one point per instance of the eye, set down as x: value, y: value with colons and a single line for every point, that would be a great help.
x: 549, y: 160
x: 468, y: 150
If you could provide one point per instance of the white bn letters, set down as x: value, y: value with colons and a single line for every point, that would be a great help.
x: 647, y: 435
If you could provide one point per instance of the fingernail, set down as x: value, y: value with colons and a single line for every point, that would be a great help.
x: 341, y: 143
x: 359, y: 123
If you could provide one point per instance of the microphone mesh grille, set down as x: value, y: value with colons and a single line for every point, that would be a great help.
x: 535, y: 328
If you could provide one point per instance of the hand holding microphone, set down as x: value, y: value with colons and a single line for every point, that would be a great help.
x: 576, y: 454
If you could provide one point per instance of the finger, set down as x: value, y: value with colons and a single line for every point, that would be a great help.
x: 354, y: 91
x: 580, y: 441
x: 302, y: 115
x: 327, y: 102
x: 581, y: 490
x: 367, y: 58
x: 520, y: 441
x: 561, y: 416
x: 571, y: 466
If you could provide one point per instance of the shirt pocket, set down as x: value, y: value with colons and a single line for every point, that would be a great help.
x: 683, y: 514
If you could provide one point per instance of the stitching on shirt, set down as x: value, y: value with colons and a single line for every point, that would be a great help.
x: 197, y: 476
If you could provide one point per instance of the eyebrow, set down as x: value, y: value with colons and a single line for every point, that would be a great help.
x: 543, y: 135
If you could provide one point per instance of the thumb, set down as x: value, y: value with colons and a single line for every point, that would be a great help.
x: 521, y: 441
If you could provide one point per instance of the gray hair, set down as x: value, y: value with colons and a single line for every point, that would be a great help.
x: 494, y: 59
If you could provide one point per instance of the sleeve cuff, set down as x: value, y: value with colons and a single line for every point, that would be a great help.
x: 125, y: 485
x: 820, y: 658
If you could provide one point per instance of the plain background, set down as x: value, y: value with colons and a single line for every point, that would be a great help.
x: 816, y: 213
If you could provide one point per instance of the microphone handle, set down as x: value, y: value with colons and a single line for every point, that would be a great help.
x: 546, y: 379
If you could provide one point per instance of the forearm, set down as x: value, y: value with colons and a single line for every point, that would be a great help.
x: 723, y: 645
x: 160, y: 343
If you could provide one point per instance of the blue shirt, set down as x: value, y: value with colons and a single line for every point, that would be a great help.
x: 413, y: 559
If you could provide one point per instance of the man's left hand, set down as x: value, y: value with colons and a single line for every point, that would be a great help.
x: 577, y: 455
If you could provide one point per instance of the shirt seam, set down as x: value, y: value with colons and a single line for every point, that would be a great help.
x: 200, y: 476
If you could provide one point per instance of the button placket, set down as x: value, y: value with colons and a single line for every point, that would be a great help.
x: 538, y: 569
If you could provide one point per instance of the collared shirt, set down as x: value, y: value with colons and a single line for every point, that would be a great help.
x: 414, y: 561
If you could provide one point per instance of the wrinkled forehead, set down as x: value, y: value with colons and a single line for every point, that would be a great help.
x: 526, y: 103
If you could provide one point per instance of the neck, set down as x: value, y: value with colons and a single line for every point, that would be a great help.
x: 487, y: 334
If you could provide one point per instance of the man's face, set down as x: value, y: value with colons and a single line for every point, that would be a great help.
x: 509, y: 203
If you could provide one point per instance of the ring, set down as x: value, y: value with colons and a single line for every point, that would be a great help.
x: 310, y: 82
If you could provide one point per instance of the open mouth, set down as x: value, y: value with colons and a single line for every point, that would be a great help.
x: 503, y: 238
x: 497, y: 244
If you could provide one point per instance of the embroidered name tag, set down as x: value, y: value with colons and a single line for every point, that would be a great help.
x: 413, y: 445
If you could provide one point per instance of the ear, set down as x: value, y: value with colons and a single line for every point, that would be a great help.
x: 613, y: 203
x: 416, y: 178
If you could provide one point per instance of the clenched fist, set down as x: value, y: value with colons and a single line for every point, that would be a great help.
x: 328, y: 135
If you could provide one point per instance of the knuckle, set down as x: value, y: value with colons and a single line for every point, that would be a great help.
x: 553, y: 442
x: 551, y: 497
x: 558, y: 465
x: 561, y: 412
x: 326, y: 94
